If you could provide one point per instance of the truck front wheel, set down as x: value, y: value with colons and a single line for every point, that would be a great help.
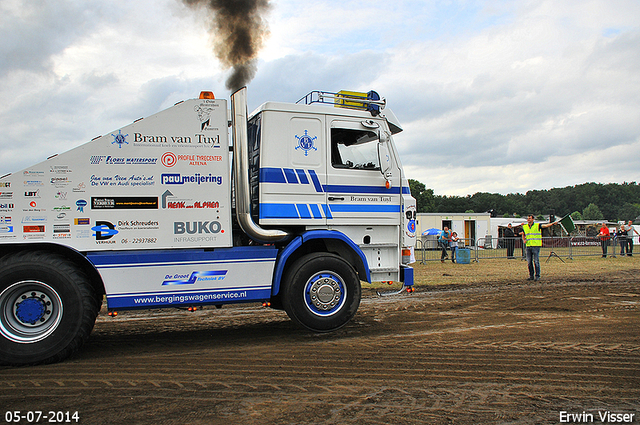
x: 321, y: 292
x: 47, y: 308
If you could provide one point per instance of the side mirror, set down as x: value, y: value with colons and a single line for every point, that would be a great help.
x: 384, y: 157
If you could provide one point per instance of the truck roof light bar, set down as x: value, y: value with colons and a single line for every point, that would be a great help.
x: 207, y: 95
x: 347, y: 99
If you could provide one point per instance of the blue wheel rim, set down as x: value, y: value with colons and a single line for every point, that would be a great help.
x: 325, y: 293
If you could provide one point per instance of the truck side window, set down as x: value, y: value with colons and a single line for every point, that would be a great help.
x: 354, y: 149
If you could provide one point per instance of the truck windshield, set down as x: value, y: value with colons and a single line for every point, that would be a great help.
x: 354, y: 149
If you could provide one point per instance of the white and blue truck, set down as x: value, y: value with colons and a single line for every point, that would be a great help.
x: 307, y: 201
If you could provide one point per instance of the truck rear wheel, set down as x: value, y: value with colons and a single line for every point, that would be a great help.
x: 321, y: 292
x: 47, y: 308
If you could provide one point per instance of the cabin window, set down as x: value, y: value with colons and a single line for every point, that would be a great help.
x: 357, y: 149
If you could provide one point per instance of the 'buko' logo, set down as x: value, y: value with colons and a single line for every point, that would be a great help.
x: 196, y: 227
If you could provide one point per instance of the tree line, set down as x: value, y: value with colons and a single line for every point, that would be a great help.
x: 588, y: 201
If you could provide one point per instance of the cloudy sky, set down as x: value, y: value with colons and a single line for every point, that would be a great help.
x: 494, y: 96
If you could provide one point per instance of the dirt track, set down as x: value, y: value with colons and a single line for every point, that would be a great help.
x: 489, y: 353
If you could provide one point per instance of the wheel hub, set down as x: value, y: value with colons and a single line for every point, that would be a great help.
x: 325, y: 293
x: 33, y: 308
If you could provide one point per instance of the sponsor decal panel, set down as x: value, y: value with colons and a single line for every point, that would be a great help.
x: 121, y: 160
x: 59, y: 169
x: 120, y: 139
x: 197, y: 227
x: 33, y: 183
x: 62, y: 231
x: 60, y: 181
x: 138, y: 225
x: 169, y: 201
x: 179, y: 204
x: 104, y: 232
x: 196, y: 231
x: 34, y: 207
x: 32, y: 173
x: 195, y: 277
x: 125, y: 203
x: 80, y: 188
x: 131, y: 180
x: 33, y: 228
x: 80, y: 204
x: 125, y: 226
x: 186, y: 299
x: 163, y: 141
x: 34, y: 219
x: 6, y: 228
x: 197, y: 178
x: 169, y: 159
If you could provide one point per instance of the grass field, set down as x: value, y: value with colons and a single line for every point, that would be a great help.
x: 515, y: 270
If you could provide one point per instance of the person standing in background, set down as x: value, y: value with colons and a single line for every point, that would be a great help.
x: 621, y: 237
x: 509, y: 240
x: 443, y: 241
x: 454, y: 246
x: 604, y: 236
x: 630, y: 232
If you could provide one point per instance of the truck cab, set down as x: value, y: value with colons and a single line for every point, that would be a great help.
x: 329, y: 162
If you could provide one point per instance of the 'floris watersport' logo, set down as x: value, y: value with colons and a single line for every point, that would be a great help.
x: 114, y: 160
x: 177, y: 178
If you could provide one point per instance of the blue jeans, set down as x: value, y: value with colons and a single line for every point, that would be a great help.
x: 533, y: 260
x: 444, y: 245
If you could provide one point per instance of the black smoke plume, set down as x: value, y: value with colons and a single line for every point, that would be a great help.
x: 238, y: 30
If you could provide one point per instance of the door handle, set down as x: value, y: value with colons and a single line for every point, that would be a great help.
x: 336, y: 198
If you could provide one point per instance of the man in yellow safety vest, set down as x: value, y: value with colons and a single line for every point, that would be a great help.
x: 532, y: 237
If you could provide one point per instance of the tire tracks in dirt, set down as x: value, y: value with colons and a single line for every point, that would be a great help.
x: 476, y: 355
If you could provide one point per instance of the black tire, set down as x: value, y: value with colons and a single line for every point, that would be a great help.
x: 47, y: 308
x: 321, y: 292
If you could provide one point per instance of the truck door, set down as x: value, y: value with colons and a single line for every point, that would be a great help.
x: 292, y: 170
x: 363, y: 178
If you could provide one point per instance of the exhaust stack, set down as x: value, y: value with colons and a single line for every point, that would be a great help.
x: 241, y: 173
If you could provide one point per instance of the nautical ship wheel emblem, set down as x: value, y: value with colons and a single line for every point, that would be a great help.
x: 305, y: 142
x: 120, y: 139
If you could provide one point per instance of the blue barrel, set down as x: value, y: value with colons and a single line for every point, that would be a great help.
x: 463, y: 256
